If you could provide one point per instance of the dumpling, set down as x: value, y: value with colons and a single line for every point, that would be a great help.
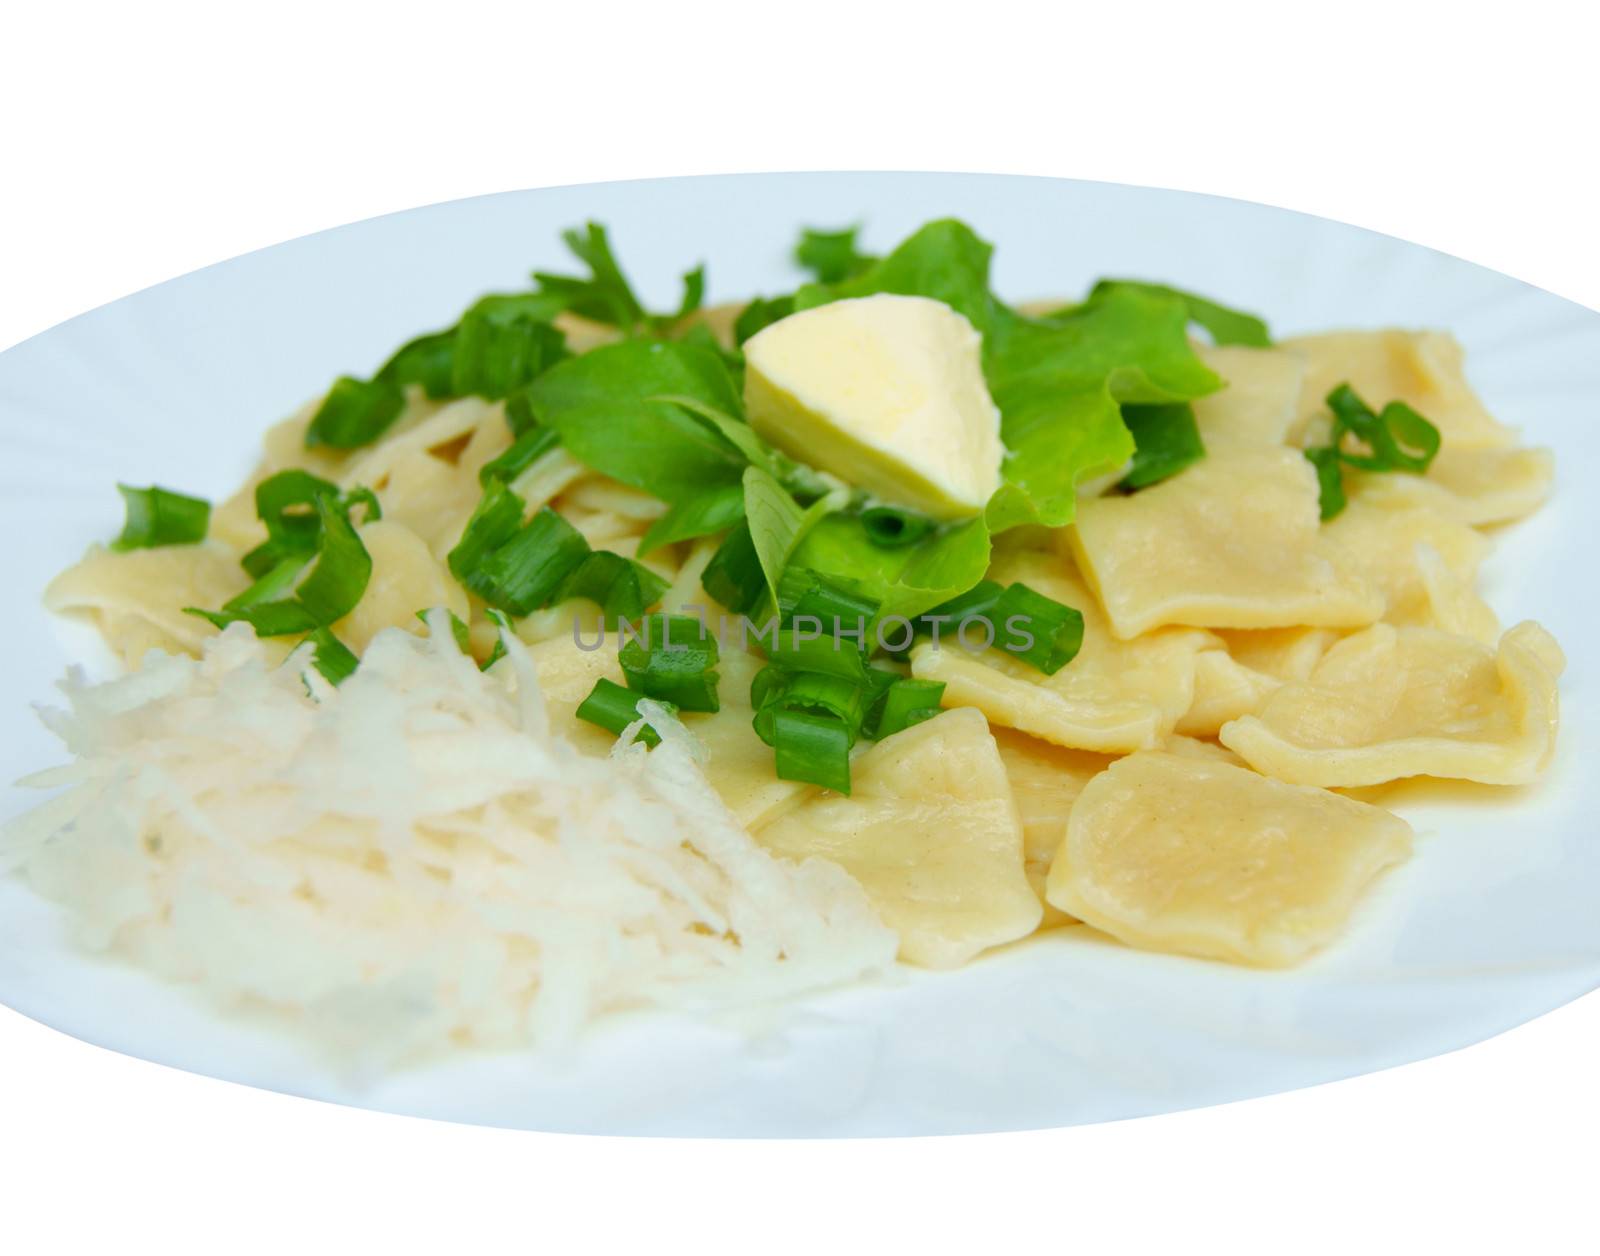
x: 1259, y: 402
x: 1377, y: 537
x: 137, y: 597
x: 1422, y: 368
x: 1045, y: 781
x: 1114, y: 697
x: 1173, y: 853
x: 1453, y: 603
x: 406, y: 578
x: 1224, y: 689
x: 1476, y: 485
x: 933, y: 835
x: 1393, y: 702
x: 738, y: 763
x: 1283, y: 653
x: 1235, y: 541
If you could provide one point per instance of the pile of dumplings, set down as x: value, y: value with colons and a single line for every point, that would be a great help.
x: 1177, y: 785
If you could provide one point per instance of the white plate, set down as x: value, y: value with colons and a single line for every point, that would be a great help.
x: 1493, y: 922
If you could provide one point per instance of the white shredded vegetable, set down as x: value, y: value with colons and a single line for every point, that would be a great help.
x: 414, y: 859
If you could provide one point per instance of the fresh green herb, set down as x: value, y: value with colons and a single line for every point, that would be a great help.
x: 831, y: 600
x: 298, y: 595
x: 503, y: 343
x: 822, y: 649
x: 605, y: 406
x: 759, y: 315
x: 622, y: 588
x: 831, y: 256
x: 905, y: 702
x: 330, y: 656
x: 776, y: 688
x: 605, y: 295
x: 613, y: 708
x: 526, y: 570
x: 355, y: 413
x: 713, y: 511
x: 734, y: 576
x: 1166, y: 439
x: 674, y: 659
x: 1396, y: 439
x: 1227, y: 326
x: 1331, y: 500
x: 812, y: 748
x: 428, y: 361
x: 1037, y: 629
x: 944, y: 260
x: 286, y: 504
x: 908, y: 580
x: 526, y: 450
x: 157, y: 516
x: 495, y: 521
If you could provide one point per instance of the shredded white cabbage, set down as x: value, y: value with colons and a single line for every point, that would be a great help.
x: 414, y: 859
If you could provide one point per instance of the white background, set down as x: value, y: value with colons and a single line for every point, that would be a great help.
x: 145, y: 140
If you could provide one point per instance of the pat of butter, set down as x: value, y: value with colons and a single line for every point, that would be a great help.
x: 886, y: 392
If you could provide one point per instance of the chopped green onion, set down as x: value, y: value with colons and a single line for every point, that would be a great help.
x: 613, y: 708
x: 495, y: 521
x: 355, y: 413
x: 673, y: 659
x: 834, y: 600
x: 904, y: 703
x: 892, y: 528
x: 812, y: 748
x: 1398, y: 439
x: 523, y: 573
x: 978, y: 602
x: 1054, y: 631
x: 503, y: 343
x: 287, y: 505
x: 158, y: 516
x: 622, y: 588
x: 299, y: 595
x: 834, y: 651
x: 526, y: 450
x: 1390, y: 436
x: 330, y: 656
x: 777, y: 689
x: 428, y: 360
x: 1330, y: 480
x: 734, y: 576
x: 1166, y: 439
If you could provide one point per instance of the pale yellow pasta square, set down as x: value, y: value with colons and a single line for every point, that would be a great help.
x: 1259, y: 400
x: 1196, y: 856
x: 1045, y: 781
x: 1235, y: 541
x: 1116, y: 696
x: 933, y: 835
x: 1396, y: 702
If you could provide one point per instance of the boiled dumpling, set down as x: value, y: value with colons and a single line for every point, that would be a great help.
x: 1394, y: 702
x: 1196, y: 856
x: 933, y: 835
x: 138, y: 597
x: 1377, y: 537
x: 1282, y: 653
x: 1045, y: 781
x: 1476, y: 485
x: 1114, y: 697
x: 1224, y: 689
x: 1259, y: 401
x: 1423, y: 369
x: 1235, y: 541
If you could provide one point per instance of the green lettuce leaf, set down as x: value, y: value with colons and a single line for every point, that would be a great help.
x: 905, y: 581
x: 606, y: 406
x: 831, y: 256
